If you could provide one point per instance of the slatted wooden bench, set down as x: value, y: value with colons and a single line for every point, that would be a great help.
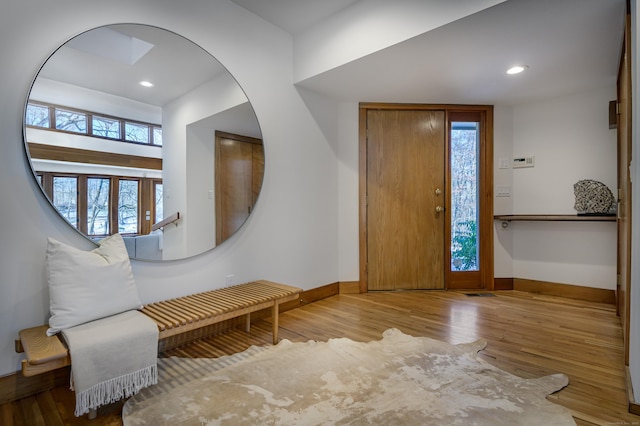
x: 174, y: 316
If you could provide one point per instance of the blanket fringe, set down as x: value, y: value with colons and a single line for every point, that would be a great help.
x: 115, y: 389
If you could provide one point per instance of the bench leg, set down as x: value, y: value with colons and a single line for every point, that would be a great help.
x: 274, y: 321
x: 247, y: 324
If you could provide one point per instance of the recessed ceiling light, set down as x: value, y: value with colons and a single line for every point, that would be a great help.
x: 146, y: 83
x: 517, y: 69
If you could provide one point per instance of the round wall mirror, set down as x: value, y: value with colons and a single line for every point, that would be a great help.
x: 136, y: 130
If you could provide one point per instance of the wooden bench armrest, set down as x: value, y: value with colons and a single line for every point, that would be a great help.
x: 43, y: 353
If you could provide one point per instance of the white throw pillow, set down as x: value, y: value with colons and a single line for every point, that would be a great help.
x: 89, y: 285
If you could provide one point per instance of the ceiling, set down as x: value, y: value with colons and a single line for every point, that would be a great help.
x: 294, y: 16
x: 113, y: 59
x: 569, y: 45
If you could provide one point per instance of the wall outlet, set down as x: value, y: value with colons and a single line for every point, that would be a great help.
x: 503, y: 191
x: 230, y: 280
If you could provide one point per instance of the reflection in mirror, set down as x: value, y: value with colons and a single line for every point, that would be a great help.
x: 137, y: 130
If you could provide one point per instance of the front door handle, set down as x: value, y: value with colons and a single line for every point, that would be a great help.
x: 439, y: 209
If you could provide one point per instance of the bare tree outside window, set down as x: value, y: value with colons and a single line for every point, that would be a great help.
x: 464, y: 196
x: 136, y: 132
x: 65, y: 198
x: 98, y: 206
x: 158, y: 200
x: 37, y: 115
x: 128, y: 206
x: 71, y: 121
x: 106, y: 127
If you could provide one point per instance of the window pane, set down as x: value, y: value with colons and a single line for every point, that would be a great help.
x: 65, y: 198
x: 158, y: 201
x: 106, y: 127
x: 37, y: 115
x: 98, y: 206
x: 464, y: 196
x: 136, y: 132
x: 157, y: 136
x: 128, y: 207
x: 71, y: 121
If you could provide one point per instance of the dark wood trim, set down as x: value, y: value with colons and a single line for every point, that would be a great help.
x: 613, y: 114
x: 625, y: 186
x: 310, y: 296
x: 484, y: 278
x: 82, y: 204
x: 235, y: 137
x: 634, y: 407
x: 74, y: 155
x: 445, y: 107
x: 591, y: 294
x: 349, y: 287
x: 16, y: 386
x: 362, y: 198
x: 466, y: 280
x: 503, y: 283
x: 485, y: 227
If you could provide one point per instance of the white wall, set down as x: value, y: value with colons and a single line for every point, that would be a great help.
x: 303, y: 230
x: 291, y: 237
x: 183, y: 178
x: 571, y: 140
x: 322, y: 46
x: 502, y: 151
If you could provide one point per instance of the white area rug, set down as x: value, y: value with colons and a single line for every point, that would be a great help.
x: 399, y: 380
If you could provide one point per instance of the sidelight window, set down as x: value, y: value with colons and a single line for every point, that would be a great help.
x: 464, y: 196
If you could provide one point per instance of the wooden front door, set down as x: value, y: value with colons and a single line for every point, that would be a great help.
x: 405, y: 198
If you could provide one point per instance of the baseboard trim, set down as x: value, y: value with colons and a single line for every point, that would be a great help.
x: 15, y: 386
x: 503, y: 283
x: 349, y: 287
x: 565, y: 290
x: 634, y: 407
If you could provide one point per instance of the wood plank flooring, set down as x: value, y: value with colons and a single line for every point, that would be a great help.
x: 528, y: 335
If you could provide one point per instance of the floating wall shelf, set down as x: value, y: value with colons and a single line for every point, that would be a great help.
x: 555, y: 218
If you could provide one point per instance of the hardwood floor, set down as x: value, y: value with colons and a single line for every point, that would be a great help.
x: 528, y: 335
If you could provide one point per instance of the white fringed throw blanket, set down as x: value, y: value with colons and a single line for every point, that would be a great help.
x: 112, y: 358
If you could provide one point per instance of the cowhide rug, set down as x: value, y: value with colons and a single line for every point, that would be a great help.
x: 399, y: 380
